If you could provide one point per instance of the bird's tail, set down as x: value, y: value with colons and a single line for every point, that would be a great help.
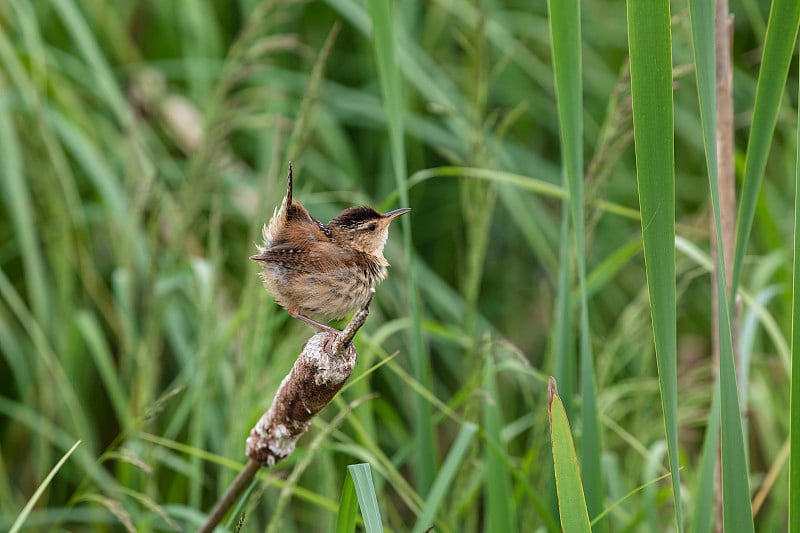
x: 279, y: 215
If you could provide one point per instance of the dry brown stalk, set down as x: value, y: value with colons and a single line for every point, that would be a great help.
x: 321, y: 370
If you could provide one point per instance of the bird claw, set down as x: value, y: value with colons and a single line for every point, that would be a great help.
x: 312, y: 322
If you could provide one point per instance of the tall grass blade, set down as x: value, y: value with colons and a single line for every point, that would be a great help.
x: 651, y: 91
x: 499, y: 503
x: 627, y: 496
x: 85, y: 40
x: 784, y: 17
x: 23, y: 515
x: 348, y: 507
x: 440, y: 488
x: 565, y: 32
x: 17, y: 197
x: 704, y: 490
x: 736, y: 508
x: 571, y: 499
x: 735, y: 479
x: 103, y: 359
x: 565, y: 365
x: 703, y: 31
x: 794, y: 410
x: 383, y: 39
x: 367, y: 501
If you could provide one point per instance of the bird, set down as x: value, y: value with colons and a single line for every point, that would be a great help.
x: 322, y: 271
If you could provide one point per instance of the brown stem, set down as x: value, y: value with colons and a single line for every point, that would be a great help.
x: 314, y: 380
x: 727, y: 197
x: 235, y: 490
x: 344, y: 339
x: 321, y: 369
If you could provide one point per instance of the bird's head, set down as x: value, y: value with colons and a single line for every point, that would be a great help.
x: 363, y: 228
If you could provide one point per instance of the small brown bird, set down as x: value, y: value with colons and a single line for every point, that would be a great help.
x: 323, y: 270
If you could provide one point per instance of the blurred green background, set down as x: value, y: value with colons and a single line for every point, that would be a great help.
x: 142, y: 146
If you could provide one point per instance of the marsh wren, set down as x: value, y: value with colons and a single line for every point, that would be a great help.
x: 323, y: 270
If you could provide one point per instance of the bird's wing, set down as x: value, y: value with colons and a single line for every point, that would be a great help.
x: 316, y: 256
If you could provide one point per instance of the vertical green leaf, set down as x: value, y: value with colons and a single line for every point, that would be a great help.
x: 703, y: 31
x: 383, y: 40
x: 86, y: 43
x: 564, y: 352
x: 367, y: 501
x: 784, y: 17
x: 702, y: 19
x: 737, y: 510
x: 651, y: 91
x: 704, y: 488
x: 794, y: 412
x: 571, y: 499
x: 440, y: 488
x: 565, y: 31
x: 17, y: 197
x: 348, y: 507
x: 500, y: 508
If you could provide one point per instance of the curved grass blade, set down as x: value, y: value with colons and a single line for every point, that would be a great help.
x: 627, y: 496
x: 446, y: 475
x: 23, y: 515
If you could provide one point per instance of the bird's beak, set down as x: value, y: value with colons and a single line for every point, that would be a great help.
x: 397, y: 212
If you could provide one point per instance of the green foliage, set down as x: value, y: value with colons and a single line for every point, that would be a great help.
x: 39, y: 490
x: 649, y: 38
x: 571, y: 497
x: 565, y: 32
x: 794, y: 464
x: 367, y: 501
x: 144, y: 144
x: 348, y: 507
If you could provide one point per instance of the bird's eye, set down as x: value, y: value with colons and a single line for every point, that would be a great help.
x: 372, y: 227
